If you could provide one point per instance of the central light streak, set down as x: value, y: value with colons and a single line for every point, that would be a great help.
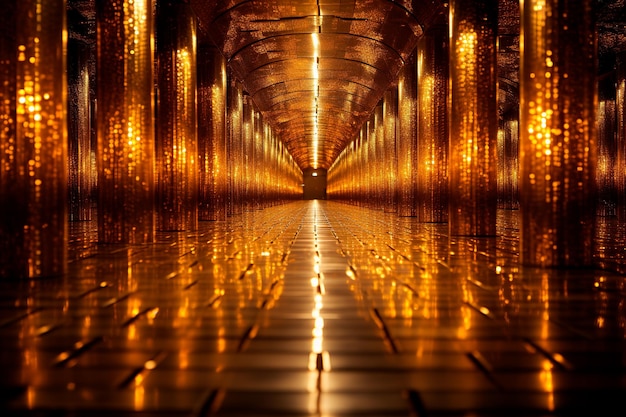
x: 316, y: 93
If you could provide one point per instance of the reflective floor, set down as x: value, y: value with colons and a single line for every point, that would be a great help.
x: 313, y: 309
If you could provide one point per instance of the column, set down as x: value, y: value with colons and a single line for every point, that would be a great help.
x: 432, y: 142
x: 473, y: 116
x: 558, y: 137
x: 212, y: 133
x: 81, y: 175
x: 176, y: 144
x: 125, y: 121
x: 407, y: 139
x: 379, y: 152
x: 234, y: 146
x: 390, y: 156
x: 33, y: 139
x: 606, y: 172
x: 247, y: 157
x: 508, y: 162
x: 620, y: 113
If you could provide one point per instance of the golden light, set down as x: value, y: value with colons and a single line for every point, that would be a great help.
x: 125, y: 122
x: 558, y: 142
x: 316, y: 95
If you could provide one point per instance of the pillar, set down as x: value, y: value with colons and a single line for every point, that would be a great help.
x: 125, y: 121
x: 212, y: 133
x: 606, y: 172
x: 247, y: 156
x: 176, y: 143
x: 390, y: 156
x: 260, y: 167
x: 407, y: 138
x: 620, y: 114
x: 81, y: 173
x: 473, y: 116
x: 558, y: 135
x: 432, y: 142
x: 508, y: 163
x: 33, y: 139
x: 378, y: 167
x: 234, y: 146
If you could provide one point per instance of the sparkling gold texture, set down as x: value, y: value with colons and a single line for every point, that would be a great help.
x: 33, y: 139
x: 432, y: 142
x: 407, y: 139
x: 234, y: 147
x: 508, y: 165
x: 473, y: 117
x: 620, y: 103
x: 82, y: 175
x: 176, y: 141
x: 390, y: 156
x: 212, y: 133
x: 607, y: 167
x: 320, y: 74
x: 558, y: 138
x: 125, y: 121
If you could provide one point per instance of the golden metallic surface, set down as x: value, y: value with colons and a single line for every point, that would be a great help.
x: 407, y: 139
x: 176, y: 154
x: 125, y: 121
x: 390, y: 154
x: 212, y: 134
x: 607, y: 167
x: 558, y: 137
x: 314, y: 308
x: 234, y: 147
x: 82, y: 172
x: 33, y: 140
x: 473, y: 117
x: 315, y: 69
x: 364, y: 174
x: 620, y: 103
x: 432, y: 142
x: 508, y: 165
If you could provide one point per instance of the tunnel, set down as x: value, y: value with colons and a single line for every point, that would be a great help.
x: 325, y: 208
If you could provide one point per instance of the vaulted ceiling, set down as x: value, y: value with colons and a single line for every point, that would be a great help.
x: 317, y: 68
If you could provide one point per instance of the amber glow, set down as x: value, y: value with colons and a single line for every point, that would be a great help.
x: 620, y: 126
x: 33, y: 143
x: 315, y: 70
x: 176, y: 149
x: 432, y: 152
x: 454, y: 266
x: 125, y: 123
x: 473, y: 118
x: 558, y: 139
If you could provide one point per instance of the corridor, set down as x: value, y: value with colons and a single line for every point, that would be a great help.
x: 312, y: 208
x: 312, y: 308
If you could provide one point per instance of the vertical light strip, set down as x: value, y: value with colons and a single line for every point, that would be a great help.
x: 620, y: 126
x: 558, y: 136
x: 316, y: 94
x: 407, y: 138
x: 473, y: 115
x: 432, y: 146
x: 33, y: 140
x: 125, y: 121
x: 211, y: 133
x: 176, y: 142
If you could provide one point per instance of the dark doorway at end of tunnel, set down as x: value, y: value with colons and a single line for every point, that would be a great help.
x: 314, y: 184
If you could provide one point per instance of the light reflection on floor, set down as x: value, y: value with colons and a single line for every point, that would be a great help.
x: 315, y: 309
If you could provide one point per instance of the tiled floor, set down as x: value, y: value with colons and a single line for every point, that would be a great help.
x: 313, y: 309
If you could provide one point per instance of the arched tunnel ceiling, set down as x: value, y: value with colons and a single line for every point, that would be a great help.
x: 315, y: 68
